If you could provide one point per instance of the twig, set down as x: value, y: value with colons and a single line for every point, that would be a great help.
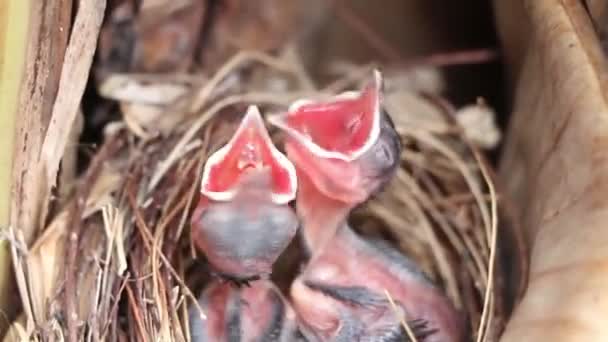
x: 70, y: 295
x: 147, y: 237
x: 494, y: 233
x: 203, y: 95
x: 438, y: 145
x: 137, y: 315
x: 114, y: 308
x: 439, y: 254
x: 407, y: 328
x: 473, y: 56
x: 194, y: 187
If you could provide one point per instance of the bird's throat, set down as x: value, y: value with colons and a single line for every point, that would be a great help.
x: 321, y: 215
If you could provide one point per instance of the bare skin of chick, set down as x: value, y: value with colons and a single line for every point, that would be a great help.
x: 346, y: 284
x: 244, y: 237
x: 354, y: 153
x: 242, y: 222
x: 257, y: 313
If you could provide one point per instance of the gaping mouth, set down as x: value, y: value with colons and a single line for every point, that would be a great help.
x: 249, y: 148
x: 344, y: 128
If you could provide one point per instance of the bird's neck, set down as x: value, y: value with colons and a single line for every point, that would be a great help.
x: 321, y: 215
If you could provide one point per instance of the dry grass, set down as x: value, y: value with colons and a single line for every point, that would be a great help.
x: 116, y: 260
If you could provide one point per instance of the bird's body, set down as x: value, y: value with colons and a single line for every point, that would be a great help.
x: 243, y: 222
x: 350, y: 279
x: 243, y: 237
x: 344, y: 151
x: 258, y: 313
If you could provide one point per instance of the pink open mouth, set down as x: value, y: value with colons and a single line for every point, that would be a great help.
x: 250, y: 148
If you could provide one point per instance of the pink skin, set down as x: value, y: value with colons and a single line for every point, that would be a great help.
x: 331, y: 184
x: 242, y: 222
x: 249, y: 314
x: 348, y: 261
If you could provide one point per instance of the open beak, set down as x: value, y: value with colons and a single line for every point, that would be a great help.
x: 326, y: 139
x: 343, y: 128
x: 250, y: 148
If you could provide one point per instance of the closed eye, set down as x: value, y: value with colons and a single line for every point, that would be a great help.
x: 384, y: 155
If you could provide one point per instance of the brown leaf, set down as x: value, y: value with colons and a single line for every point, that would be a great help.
x: 555, y: 167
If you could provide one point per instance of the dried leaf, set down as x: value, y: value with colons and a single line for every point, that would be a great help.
x: 554, y: 166
x: 46, y: 46
x: 74, y: 76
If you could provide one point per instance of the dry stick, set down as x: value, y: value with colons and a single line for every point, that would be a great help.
x: 407, y: 328
x: 184, y: 309
x: 137, y: 315
x: 426, y: 182
x: 386, y: 50
x: 291, y: 54
x: 464, y: 170
x: 449, y: 111
x: 195, y: 185
x: 473, y: 56
x: 453, y: 234
x: 203, y: 95
x: 22, y: 284
x: 462, y: 198
x: 109, y: 214
x: 74, y: 225
x: 357, y: 75
x: 160, y: 290
x: 96, y: 299
x: 147, y: 239
x: 158, y: 241
x: 157, y: 285
x: 441, y: 221
x: 114, y: 308
x: 393, y: 220
x: 440, y: 168
x: 494, y: 233
x: 480, y: 236
x: 442, y: 261
x: 509, y: 208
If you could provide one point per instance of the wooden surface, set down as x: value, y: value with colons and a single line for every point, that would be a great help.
x: 555, y: 165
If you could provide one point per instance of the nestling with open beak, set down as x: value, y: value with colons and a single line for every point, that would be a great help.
x: 242, y: 222
x: 257, y: 313
x: 344, y: 150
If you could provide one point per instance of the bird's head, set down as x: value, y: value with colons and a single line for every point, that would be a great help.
x: 249, y: 162
x: 346, y: 146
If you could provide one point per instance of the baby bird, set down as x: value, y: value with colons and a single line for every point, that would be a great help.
x: 242, y: 222
x: 345, y: 150
x: 257, y: 313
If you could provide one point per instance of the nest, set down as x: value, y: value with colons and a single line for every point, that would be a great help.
x: 129, y: 267
x: 116, y: 261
